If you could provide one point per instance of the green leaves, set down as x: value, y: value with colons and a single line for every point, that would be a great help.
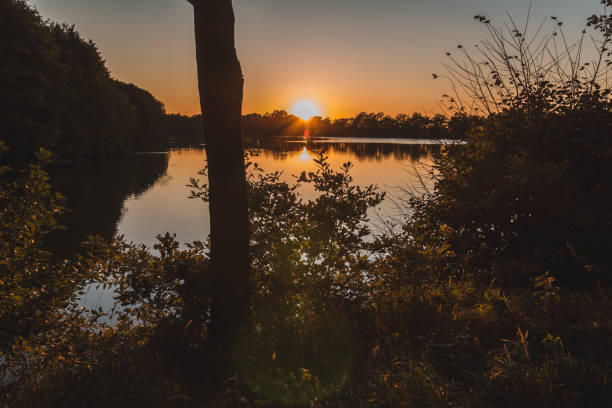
x: 34, y: 288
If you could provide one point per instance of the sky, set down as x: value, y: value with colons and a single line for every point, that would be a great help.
x: 347, y: 56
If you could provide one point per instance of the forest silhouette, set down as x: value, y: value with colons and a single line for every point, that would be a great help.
x: 376, y: 125
x: 58, y: 94
x: 493, y: 290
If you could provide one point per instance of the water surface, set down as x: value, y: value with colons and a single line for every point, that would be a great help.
x: 146, y: 194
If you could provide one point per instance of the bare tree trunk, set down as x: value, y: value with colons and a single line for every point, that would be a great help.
x: 221, y: 88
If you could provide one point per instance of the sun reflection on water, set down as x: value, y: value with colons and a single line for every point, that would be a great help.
x: 305, y: 156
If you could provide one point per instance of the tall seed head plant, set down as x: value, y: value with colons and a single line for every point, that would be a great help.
x: 531, y: 67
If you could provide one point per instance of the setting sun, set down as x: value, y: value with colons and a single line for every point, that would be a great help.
x: 305, y: 109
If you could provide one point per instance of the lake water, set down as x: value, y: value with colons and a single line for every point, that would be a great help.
x: 146, y: 194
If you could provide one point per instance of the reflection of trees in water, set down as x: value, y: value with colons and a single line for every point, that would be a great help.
x: 381, y: 151
x: 95, y: 194
x: 96, y: 191
x: 281, y: 148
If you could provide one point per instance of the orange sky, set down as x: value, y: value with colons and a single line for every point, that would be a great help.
x: 347, y: 55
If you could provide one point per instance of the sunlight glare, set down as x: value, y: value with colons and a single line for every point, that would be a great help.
x: 305, y: 156
x: 305, y: 109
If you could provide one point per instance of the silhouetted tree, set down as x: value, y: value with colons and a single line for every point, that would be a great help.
x: 221, y: 89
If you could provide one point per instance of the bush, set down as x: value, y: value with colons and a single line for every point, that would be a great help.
x: 526, y: 193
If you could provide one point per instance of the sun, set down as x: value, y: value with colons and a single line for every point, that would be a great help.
x: 305, y: 109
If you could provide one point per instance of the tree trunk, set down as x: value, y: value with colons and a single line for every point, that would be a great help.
x: 221, y: 87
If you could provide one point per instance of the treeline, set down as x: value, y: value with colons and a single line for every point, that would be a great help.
x: 375, y: 125
x: 379, y: 125
x: 57, y: 93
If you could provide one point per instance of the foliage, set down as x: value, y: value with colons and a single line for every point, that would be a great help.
x: 33, y: 289
x: 466, y: 300
x: 526, y: 193
x: 58, y: 93
x: 305, y: 254
x: 331, y: 326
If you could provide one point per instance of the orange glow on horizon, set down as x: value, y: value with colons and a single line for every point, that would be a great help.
x: 349, y: 56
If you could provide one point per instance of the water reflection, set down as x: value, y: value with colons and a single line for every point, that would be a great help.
x: 360, y: 149
x: 305, y: 156
x: 143, y: 195
x: 96, y: 193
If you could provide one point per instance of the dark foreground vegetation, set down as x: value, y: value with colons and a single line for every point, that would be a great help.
x: 496, y: 291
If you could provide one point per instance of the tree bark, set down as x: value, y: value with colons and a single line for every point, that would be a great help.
x: 221, y: 90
